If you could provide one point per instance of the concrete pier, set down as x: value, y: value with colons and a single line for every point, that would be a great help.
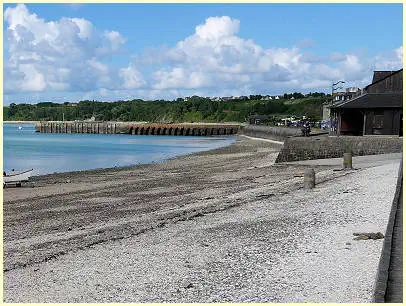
x: 134, y: 128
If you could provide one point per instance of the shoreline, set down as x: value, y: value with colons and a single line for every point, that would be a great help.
x: 21, y: 122
x: 214, y: 226
x: 263, y: 139
x: 100, y: 170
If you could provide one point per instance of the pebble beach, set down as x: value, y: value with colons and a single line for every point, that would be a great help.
x: 227, y: 225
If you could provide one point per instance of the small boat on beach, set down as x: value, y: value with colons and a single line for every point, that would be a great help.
x: 16, y: 177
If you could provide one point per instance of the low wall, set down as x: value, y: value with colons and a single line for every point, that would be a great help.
x: 272, y: 132
x: 303, y: 148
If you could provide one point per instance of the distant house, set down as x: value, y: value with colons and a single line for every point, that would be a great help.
x: 266, y: 98
x: 339, y: 97
x: 346, y: 95
x: 255, y: 119
x: 93, y: 118
x: 378, y: 110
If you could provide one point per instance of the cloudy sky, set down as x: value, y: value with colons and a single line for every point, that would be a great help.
x: 62, y: 52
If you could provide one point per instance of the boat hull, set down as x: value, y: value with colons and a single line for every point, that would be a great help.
x: 17, y: 177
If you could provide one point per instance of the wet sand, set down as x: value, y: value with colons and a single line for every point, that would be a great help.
x: 223, y: 225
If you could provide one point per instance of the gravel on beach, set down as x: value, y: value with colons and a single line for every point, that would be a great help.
x: 220, y: 226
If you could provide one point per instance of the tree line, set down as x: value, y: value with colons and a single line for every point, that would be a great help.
x: 195, y: 109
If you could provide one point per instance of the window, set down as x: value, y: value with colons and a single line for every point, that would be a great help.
x: 377, y: 122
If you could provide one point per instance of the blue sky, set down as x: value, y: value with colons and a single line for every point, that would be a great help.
x: 63, y: 52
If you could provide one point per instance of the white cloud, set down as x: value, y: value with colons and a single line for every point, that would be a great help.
x: 132, y: 77
x: 86, y: 28
x: 180, y: 78
x: 71, y: 54
x: 216, y: 28
x: 33, y: 80
x: 115, y: 38
x: 57, y: 55
x: 214, y: 57
x: 389, y: 60
x: 217, y: 59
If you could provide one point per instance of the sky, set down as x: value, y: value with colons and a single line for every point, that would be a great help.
x: 110, y: 52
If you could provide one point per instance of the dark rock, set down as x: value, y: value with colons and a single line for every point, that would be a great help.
x: 366, y: 236
x: 361, y: 237
x: 377, y: 235
x: 188, y: 286
x: 265, y: 195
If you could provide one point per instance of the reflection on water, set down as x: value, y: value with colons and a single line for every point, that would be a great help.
x: 49, y: 153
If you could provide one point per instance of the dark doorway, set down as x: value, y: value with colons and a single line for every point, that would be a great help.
x: 352, y: 122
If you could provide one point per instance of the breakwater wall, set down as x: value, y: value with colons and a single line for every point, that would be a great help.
x: 271, y: 132
x: 137, y: 128
x: 303, y: 148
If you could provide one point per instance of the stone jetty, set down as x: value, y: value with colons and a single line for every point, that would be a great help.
x: 137, y: 128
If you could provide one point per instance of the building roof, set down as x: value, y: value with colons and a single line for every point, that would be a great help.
x: 374, y: 100
x: 381, y: 75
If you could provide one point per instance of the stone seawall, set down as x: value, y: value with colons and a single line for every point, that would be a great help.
x: 303, y: 148
x: 270, y: 132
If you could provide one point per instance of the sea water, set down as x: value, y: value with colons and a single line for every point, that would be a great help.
x: 25, y: 149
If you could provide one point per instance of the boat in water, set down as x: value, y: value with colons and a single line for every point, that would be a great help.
x: 17, y: 177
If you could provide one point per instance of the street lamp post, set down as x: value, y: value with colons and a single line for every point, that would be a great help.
x: 332, y: 102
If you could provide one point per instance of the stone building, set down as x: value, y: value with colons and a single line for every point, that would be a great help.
x: 377, y: 111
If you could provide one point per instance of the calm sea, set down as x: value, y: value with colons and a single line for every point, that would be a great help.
x: 48, y: 153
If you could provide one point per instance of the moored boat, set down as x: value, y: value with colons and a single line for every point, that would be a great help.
x: 17, y: 177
